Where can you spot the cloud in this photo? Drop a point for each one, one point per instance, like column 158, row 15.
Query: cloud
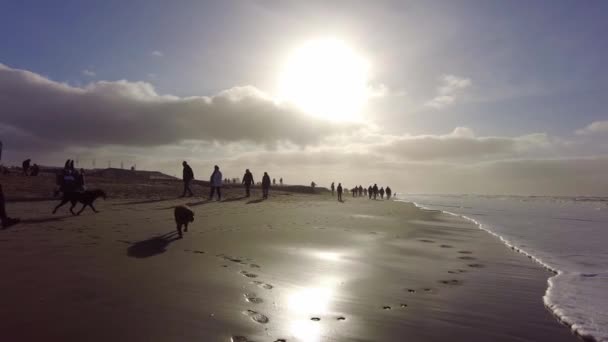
column 88, row 73
column 597, row 127
column 460, row 144
column 133, row 113
column 449, row 87
column 157, row 53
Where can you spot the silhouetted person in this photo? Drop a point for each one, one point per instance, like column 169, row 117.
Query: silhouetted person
column 381, row 191
column 248, row 181
column 274, row 181
column 388, row 192
column 6, row 221
column 370, row 191
column 215, row 181
column 339, row 192
column 187, row 177
column 333, row 188
column 353, row 192
column 281, row 181
column 80, row 181
column 26, row 166
column 375, row 190
column 35, row 170
column 360, row 191
column 365, row 192
column 312, row 185
column 265, row 185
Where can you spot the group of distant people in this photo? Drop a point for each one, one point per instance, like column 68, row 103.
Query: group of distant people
column 359, row 191
column 29, row 169
column 215, row 182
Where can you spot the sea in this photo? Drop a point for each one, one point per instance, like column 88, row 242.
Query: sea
column 568, row 235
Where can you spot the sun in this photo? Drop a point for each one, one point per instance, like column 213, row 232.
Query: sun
column 325, row 78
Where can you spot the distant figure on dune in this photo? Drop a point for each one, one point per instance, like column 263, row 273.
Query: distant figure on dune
column 183, row 216
column 381, row 191
column 187, row 176
column 312, row 185
column 6, row 221
column 248, row 181
column 281, row 181
column 333, row 188
column 265, row 185
column 26, row 166
column 339, row 192
column 388, row 192
column 375, row 190
column 215, row 181
column 35, row 170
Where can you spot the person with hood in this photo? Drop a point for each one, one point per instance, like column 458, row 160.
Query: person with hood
column 215, row 182
column 6, row 221
column 339, row 192
column 375, row 188
column 388, row 192
column 333, row 188
column 187, row 176
column 381, row 192
column 248, row 181
column 265, row 185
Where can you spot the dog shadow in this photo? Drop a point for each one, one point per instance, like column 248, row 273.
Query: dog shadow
column 152, row 246
column 256, row 201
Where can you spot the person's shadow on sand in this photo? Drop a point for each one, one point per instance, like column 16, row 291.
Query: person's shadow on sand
column 152, row 246
column 256, row 201
column 234, row 199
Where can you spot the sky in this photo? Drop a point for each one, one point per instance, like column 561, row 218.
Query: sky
column 490, row 97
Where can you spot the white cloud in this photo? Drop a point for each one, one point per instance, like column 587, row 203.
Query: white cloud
column 157, row 53
column 446, row 94
column 88, row 73
column 597, row 127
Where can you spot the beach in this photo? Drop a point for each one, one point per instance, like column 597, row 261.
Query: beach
column 295, row 267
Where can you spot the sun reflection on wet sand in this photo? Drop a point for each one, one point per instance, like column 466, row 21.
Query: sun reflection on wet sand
column 307, row 303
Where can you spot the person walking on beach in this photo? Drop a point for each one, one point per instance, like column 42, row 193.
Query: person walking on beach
column 375, row 188
column 360, row 190
column 388, row 192
column 265, row 185
column 365, row 192
column 339, row 192
column 215, row 181
column 248, row 181
column 26, row 166
column 381, row 191
column 281, row 181
column 332, row 188
column 370, row 191
column 188, row 176
column 353, row 191
column 6, row 221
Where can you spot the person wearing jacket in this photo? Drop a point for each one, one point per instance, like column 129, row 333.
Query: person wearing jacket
column 188, row 176
column 215, row 181
column 265, row 185
column 248, row 181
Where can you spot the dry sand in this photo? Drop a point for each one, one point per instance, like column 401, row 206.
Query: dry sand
column 293, row 268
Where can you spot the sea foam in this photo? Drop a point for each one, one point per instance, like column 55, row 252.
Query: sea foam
column 567, row 235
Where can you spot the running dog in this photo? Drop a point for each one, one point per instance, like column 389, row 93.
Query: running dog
column 85, row 197
column 183, row 215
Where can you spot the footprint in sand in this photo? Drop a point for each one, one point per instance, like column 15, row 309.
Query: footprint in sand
column 446, row 246
column 249, row 275
column 341, row 318
column 476, row 265
column 262, row 285
column 426, row 240
column 386, row 307
column 466, row 257
column 411, row 290
column 316, row 319
column 465, row 252
column 256, row 316
column 451, row 282
column 198, row 252
column 280, row 340
column 254, row 266
column 403, row 305
column 253, row 298
column 240, row 339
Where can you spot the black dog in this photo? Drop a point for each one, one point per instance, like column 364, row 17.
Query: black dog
column 86, row 198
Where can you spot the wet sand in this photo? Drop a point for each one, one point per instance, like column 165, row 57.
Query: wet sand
column 293, row 268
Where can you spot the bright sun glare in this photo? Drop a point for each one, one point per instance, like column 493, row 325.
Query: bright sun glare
column 325, row 78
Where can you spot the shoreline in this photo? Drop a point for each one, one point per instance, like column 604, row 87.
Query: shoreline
column 265, row 270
